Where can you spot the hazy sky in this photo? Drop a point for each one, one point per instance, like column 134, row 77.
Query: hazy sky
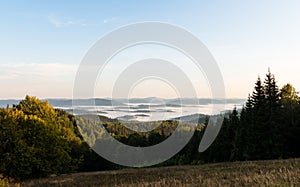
column 43, row 42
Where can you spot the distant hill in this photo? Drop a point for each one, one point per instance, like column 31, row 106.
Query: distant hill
column 10, row 102
column 204, row 101
column 191, row 118
column 144, row 102
column 83, row 102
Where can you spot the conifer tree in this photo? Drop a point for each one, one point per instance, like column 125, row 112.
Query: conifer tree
column 258, row 96
column 272, row 123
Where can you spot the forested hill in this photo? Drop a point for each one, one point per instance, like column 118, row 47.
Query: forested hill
column 68, row 103
column 38, row 140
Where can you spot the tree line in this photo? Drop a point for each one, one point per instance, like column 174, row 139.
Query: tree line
column 38, row 140
column 267, row 127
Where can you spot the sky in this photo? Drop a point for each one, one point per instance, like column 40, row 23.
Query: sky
column 42, row 43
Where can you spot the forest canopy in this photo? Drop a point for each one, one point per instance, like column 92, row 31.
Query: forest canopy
column 38, row 140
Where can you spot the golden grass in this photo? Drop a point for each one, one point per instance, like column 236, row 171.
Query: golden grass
column 6, row 182
column 252, row 173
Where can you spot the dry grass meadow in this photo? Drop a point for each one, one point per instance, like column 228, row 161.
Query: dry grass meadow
column 250, row 173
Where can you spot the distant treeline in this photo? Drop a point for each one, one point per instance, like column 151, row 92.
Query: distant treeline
column 38, row 140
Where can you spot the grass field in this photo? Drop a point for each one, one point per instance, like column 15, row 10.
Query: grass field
column 254, row 173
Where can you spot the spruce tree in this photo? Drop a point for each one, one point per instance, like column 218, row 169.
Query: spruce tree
column 256, row 118
column 258, row 96
column 272, row 123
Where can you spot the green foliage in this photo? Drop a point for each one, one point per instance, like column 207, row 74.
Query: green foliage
column 37, row 140
column 289, row 97
column 268, row 126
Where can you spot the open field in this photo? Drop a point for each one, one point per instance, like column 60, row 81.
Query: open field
column 254, row 173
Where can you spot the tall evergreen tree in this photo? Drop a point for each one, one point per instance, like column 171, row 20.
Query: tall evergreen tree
column 271, row 92
column 255, row 119
column 258, row 96
column 272, row 123
column 268, row 126
column 233, row 133
column 249, row 103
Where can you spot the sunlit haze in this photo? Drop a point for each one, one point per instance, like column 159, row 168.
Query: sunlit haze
column 43, row 43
